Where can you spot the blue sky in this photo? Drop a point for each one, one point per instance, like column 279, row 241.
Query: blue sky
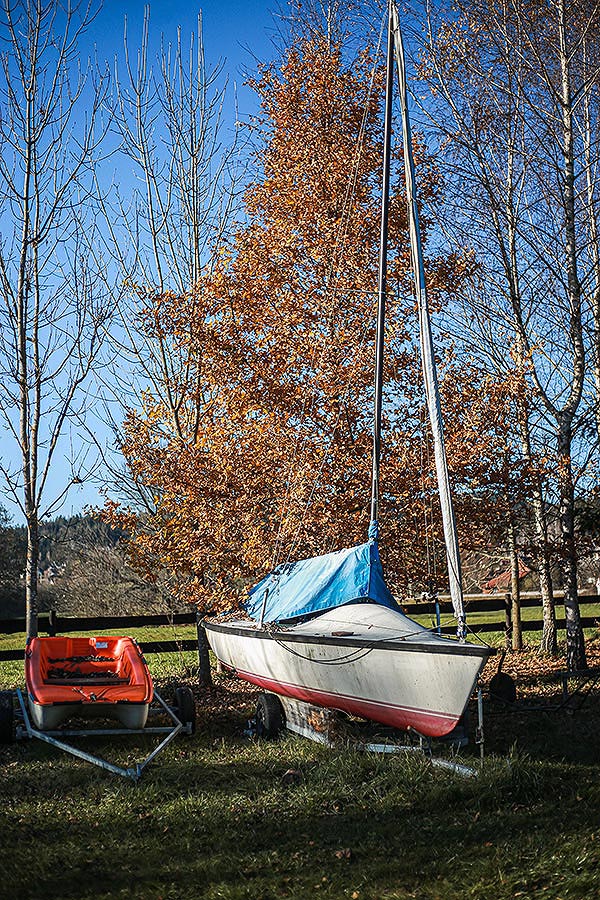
column 237, row 33
column 234, row 32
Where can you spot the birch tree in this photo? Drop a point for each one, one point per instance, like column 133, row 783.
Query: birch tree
column 54, row 314
column 511, row 87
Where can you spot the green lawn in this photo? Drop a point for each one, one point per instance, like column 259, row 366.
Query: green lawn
column 213, row 817
column 528, row 614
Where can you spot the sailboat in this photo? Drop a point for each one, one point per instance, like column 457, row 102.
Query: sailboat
column 327, row 630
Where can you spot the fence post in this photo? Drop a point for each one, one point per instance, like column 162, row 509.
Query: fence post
column 204, row 673
column 52, row 623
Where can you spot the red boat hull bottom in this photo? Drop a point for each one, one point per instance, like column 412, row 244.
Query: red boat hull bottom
column 431, row 723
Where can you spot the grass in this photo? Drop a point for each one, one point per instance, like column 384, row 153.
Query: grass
column 528, row 614
column 153, row 633
column 213, row 817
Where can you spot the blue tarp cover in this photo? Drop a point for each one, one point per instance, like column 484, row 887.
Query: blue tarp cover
column 313, row 585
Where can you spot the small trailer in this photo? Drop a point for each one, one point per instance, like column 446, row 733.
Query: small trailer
column 276, row 713
column 91, row 678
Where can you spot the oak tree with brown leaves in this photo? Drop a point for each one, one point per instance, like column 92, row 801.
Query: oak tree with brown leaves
column 271, row 459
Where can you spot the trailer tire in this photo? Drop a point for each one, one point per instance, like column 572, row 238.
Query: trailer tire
column 269, row 716
column 185, row 707
column 7, row 718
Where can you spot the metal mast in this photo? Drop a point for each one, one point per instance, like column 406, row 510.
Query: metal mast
column 427, row 354
column 382, row 279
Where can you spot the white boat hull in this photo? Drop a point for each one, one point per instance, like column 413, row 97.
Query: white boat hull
column 363, row 659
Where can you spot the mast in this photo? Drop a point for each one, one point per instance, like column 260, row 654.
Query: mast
column 382, row 281
column 427, row 355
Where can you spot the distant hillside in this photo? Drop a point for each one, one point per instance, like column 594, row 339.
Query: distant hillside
column 83, row 571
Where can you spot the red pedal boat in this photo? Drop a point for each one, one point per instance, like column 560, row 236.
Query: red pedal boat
column 90, row 677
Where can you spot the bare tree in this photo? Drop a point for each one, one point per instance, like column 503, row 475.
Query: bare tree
column 168, row 113
column 162, row 231
column 511, row 83
column 53, row 316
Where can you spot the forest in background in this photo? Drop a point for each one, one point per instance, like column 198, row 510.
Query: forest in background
column 83, row 571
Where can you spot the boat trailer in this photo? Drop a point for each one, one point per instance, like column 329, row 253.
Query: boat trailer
column 274, row 713
column 15, row 724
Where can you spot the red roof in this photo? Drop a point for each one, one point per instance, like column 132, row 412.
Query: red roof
column 503, row 579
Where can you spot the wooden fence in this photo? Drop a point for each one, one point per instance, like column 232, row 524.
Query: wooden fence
column 51, row 624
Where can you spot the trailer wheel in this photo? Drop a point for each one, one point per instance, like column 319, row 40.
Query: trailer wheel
column 269, row 715
column 7, row 718
column 185, row 707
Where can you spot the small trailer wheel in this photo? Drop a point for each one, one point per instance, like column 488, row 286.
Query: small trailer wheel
column 185, row 707
column 269, row 715
column 7, row 718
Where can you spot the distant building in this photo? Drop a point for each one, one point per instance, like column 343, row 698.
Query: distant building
column 51, row 574
column 501, row 581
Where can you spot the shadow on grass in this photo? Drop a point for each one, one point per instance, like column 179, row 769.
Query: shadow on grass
column 225, row 825
column 213, row 818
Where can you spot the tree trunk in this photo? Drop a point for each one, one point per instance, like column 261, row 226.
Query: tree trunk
column 576, row 659
column 548, row 643
column 507, row 621
column 515, row 592
column 575, row 642
column 31, row 577
column 596, row 357
column 204, row 673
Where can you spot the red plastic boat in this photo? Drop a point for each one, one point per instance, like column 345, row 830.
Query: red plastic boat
column 89, row 677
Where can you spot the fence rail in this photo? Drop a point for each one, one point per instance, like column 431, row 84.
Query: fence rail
column 50, row 623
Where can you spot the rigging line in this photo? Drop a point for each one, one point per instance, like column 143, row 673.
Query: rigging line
column 428, row 505
column 273, row 628
column 431, row 512
column 361, row 652
column 350, row 192
column 308, row 502
column 323, row 352
column 424, row 492
column 394, row 636
column 341, row 406
column 333, row 277
column 477, row 636
column 346, row 210
column 351, row 186
column 356, row 655
column 428, row 629
column 432, row 629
